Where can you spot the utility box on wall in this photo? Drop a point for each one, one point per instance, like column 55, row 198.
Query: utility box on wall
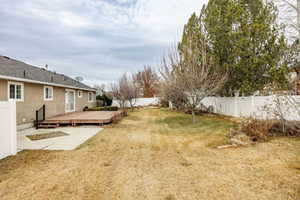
column 8, row 133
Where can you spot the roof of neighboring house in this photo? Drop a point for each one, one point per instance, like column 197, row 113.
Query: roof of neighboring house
column 11, row 68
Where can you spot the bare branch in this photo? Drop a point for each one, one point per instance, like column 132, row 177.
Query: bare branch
column 192, row 74
column 125, row 91
column 147, row 80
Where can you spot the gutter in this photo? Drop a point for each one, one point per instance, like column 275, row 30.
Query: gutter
column 43, row 83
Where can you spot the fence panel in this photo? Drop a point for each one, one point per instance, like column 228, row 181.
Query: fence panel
column 8, row 134
column 250, row 106
column 140, row 102
column 245, row 106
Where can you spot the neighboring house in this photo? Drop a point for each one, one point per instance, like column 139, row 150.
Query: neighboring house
column 32, row 87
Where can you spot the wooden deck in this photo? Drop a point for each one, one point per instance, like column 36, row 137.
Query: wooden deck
column 80, row 118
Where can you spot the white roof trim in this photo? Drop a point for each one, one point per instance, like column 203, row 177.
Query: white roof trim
column 42, row 83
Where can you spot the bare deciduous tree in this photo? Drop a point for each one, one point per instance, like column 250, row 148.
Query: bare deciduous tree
column 147, row 80
column 291, row 16
column 116, row 93
column 168, row 89
column 169, row 94
column 129, row 89
column 282, row 107
column 125, row 91
column 193, row 73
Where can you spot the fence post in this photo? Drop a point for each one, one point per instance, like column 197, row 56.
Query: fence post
column 36, row 119
column 44, row 112
column 170, row 105
column 252, row 106
column 14, row 128
column 236, row 111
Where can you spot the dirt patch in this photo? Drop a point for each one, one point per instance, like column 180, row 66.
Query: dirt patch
column 44, row 136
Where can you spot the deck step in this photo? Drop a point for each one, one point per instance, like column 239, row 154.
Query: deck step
column 48, row 126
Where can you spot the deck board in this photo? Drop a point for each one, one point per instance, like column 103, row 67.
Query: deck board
column 88, row 117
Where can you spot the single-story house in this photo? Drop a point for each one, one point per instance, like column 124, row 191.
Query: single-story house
column 32, row 87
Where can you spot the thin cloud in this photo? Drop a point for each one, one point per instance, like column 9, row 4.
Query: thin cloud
column 96, row 39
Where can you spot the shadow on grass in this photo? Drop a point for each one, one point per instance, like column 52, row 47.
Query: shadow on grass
column 203, row 122
column 210, row 130
column 133, row 118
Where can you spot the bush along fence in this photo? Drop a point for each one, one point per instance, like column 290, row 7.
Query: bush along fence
column 261, row 107
column 107, row 108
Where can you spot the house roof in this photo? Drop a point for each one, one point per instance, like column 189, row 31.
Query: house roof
column 17, row 70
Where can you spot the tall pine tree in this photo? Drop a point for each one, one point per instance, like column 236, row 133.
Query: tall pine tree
column 245, row 39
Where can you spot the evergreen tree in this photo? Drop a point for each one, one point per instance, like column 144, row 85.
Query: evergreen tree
column 192, row 34
column 245, row 39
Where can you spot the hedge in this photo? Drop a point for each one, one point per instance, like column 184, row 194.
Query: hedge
column 107, row 108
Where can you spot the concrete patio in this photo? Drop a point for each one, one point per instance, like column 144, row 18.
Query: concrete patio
column 76, row 136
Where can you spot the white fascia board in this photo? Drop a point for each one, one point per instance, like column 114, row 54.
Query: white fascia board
column 42, row 83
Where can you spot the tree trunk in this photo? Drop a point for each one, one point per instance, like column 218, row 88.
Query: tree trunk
column 194, row 116
column 131, row 105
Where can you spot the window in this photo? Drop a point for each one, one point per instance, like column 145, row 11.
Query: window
column 48, row 93
column 90, row 96
column 79, row 93
column 16, row 91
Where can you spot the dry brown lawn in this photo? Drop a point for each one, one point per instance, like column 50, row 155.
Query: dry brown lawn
column 155, row 154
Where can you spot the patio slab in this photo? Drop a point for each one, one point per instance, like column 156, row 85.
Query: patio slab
column 76, row 136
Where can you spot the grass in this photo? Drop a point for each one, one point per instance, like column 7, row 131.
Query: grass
column 184, row 121
column 209, row 128
column 157, row 154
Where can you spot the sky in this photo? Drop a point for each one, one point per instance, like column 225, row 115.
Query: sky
column 98, row 40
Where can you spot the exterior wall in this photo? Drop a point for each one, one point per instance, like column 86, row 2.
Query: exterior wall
column 34, row 100
column 83, row 101
column 3, row 90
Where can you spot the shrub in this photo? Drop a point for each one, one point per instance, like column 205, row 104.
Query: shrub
column 106, row 100
column 108, row 108
column 257, row 130
column 202, row 109
column 289, row 129
column 85, row 108
column 164, row 103
column 100, row 103
column 262, row 130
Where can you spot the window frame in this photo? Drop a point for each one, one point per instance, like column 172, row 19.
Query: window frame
column 79, row 94
column 45, row 95
column 92, row 97
column 15, row 91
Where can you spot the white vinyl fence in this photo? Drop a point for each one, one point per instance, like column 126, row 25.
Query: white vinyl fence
column 248, row 106
column 140, row 102
column 251, row 106
column 8, row 133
